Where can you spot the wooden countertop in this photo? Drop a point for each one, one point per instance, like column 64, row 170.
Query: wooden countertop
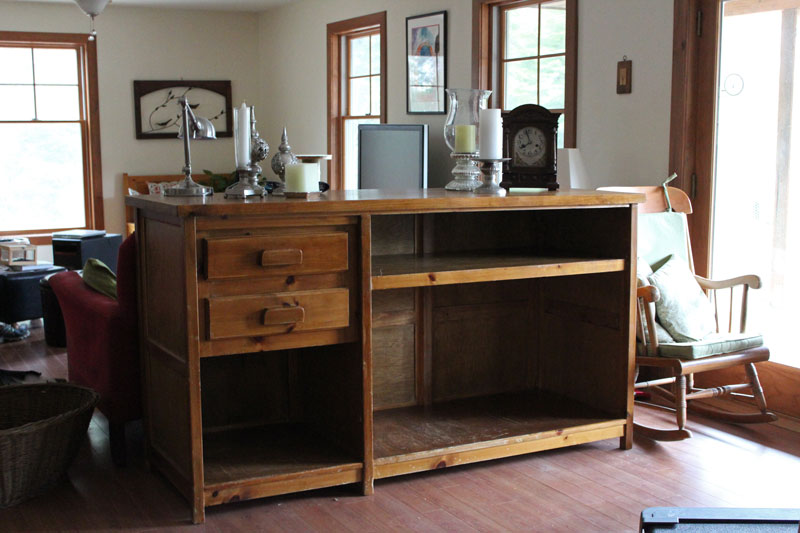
column 365, row 201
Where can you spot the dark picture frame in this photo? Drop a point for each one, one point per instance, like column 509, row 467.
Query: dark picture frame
column 157, row 113
column 426, row 64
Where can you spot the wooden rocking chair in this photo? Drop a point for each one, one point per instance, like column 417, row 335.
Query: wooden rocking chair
column 663, row 232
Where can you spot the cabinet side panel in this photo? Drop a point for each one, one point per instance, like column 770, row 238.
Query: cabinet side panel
column 165, row 306
column 393, row 347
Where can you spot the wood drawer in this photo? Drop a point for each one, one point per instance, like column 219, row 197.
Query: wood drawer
column 278, row 313
column 275, row 255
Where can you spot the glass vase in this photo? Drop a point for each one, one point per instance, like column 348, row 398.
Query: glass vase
column 461, row 136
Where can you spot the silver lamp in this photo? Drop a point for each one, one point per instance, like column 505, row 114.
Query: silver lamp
column 197, row 128
column 92, row 8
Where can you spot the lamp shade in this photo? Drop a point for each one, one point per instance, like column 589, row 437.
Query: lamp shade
column 200, row 129
column 571, row 172
column 92, row 7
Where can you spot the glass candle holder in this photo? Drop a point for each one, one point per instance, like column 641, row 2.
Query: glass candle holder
column 461, row 136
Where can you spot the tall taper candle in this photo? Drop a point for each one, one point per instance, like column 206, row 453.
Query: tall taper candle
column 243, row 136
column 490, row 134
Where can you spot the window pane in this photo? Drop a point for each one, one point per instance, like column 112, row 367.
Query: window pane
column 56, row 65
column 560, row 138
column 359, row 56
column 376, row 54
column 351, row 150
column 551, row 84
column 16, row 102
column 554, row 28
column 520, row 83
column 359, row 96
column 41, row 176
column 57, row 103
column 376, row 94
column 522, row 28
column 17, row 65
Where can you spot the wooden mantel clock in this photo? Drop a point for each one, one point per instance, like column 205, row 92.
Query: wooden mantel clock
column 529, row 139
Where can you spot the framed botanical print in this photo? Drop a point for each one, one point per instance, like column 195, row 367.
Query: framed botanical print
column 158, row 113
column 426, row 66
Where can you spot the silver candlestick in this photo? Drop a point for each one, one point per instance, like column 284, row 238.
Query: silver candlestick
column 282, row 157
column 491, row 168
column 247, row 186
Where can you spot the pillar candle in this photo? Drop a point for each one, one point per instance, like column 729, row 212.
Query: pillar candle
column 302, row 177
column 490, row 134
column 242, row 136
column 465, row 138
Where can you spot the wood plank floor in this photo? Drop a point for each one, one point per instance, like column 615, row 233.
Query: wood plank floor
column 593, row 487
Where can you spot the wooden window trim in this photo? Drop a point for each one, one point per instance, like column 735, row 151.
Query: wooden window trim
column 483, row 52
column 335, row 31
column 90, row 110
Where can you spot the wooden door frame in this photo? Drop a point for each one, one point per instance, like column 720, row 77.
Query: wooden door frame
column 695, row 61
column 335, row 32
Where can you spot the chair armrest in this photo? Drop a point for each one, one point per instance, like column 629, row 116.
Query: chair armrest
column 751, row 280
column 648, row 293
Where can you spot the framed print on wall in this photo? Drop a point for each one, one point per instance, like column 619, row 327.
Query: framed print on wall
column 158, row 113
column 426, row 66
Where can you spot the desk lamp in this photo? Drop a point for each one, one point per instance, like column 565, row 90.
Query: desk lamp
column 197, row 128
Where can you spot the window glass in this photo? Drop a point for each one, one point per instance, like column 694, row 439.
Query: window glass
column 55, row 66
column 375, row 82
column 16, row 102
column 551, row 82
column 47, row 154
column 554, row 28
column 375, row 51
column 17, row 65
column 522, row 32
column 520, row 83
column 359, row 96
column 57, row 102
column 359, row 56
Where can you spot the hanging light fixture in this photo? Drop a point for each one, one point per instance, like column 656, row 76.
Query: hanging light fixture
column 92, row 8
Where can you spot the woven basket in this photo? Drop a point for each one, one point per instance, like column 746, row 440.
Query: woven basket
column 41, row 428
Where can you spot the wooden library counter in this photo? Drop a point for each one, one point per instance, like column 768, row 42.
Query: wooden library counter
column 293, row 344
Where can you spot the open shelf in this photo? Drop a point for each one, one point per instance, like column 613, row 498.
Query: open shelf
column 409, row 270
column 411, row 439
column 272, row 459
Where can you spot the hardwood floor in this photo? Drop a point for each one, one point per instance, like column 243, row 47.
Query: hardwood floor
column 592, row 487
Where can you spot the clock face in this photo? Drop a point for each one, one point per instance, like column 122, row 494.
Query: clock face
column 529, row 148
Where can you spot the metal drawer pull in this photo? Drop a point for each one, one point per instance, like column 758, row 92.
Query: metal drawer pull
column 276, row 316
column 271, row 258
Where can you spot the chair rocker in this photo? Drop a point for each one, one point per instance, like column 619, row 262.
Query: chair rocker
column 662, row 234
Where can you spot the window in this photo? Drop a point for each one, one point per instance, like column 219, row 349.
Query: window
column 528, row 55
column 49, row 139
column 356, row 90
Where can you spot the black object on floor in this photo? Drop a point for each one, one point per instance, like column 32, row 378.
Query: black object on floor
column 55, row 331
column 719, row 519
column 11, row 377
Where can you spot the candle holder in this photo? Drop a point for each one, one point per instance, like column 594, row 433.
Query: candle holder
column 247, row 186
column 283, row 157
column 461, row 136
column 491, row 168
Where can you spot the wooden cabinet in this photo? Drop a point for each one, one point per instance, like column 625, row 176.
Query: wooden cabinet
column 289, row 345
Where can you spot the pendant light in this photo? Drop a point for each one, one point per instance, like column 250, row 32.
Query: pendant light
column 92, row 8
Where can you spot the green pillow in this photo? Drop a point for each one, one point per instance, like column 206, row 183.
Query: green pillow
column 683, row 308
column 99, row 277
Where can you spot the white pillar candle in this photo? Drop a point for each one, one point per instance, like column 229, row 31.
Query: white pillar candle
column 490, row 134
column 242, row 136
column 302, row 177
column 465, row 138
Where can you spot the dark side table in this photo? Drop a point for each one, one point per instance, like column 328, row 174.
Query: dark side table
column 20, row 297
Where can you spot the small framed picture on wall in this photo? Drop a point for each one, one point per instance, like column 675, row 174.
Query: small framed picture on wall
column 426, row 66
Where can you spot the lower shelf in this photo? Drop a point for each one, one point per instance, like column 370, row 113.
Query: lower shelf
column 268, row 460
column 413, row 439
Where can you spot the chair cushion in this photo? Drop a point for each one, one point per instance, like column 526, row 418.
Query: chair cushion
column 642, row 271
column 661, row 235
column 99, row 277
column 683, row 308
column 714, row 344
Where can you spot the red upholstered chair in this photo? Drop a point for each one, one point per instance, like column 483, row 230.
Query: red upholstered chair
column 103, row 343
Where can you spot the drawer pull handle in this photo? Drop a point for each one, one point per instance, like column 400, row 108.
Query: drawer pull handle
column 270, row 258
column 276, row 316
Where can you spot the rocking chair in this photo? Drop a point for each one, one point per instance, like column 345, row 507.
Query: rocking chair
column 663, row 234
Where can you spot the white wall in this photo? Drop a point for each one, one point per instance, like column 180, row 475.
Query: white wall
column 624, row 139
column 142, row 44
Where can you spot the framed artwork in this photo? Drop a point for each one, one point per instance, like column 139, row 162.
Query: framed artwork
column 426, row 67
column 158, row 113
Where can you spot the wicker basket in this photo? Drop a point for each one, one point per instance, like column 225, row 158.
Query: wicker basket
column 41, row 428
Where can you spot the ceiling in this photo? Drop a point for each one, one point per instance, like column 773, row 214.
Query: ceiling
column 217, row 5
